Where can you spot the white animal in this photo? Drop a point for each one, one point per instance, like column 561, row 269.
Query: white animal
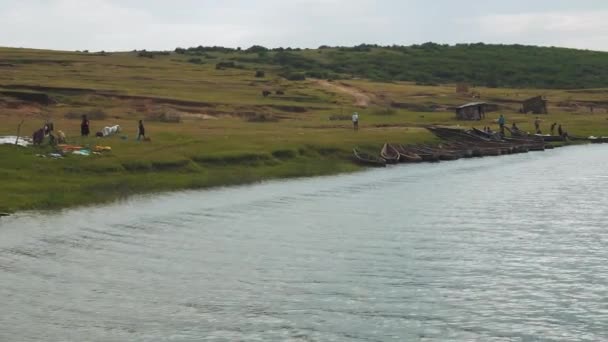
column 107, row 131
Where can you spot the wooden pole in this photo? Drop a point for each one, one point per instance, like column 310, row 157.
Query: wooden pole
column 19, row 131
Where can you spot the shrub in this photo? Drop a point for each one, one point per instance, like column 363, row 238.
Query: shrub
column 145, row 54
column 152, row 54
column 295, row 76
column 195, row 61
column 260, row 73
column 284, row 154
column 226, row 65
column 257, row 49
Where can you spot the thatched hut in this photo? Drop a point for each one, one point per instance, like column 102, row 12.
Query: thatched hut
column 471, row 111
column 535, row 105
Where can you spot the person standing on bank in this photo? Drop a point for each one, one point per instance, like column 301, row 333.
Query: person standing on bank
column 356, row 121
column 537, row 125
column 84, row 127
column 141, row 131
column 501, row 124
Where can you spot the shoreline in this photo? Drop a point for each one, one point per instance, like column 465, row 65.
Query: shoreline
column 332, row 166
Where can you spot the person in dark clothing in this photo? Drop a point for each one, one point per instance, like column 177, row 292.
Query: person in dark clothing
column 141, row 131
column 560, row 131
column 48, row 128
column 553, row 128
column 38, row 136
column 84, row 127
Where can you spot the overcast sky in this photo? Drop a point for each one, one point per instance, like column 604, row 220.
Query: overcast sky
column 161, row 24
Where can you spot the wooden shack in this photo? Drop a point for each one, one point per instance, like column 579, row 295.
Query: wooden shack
column 471, row 111
column 535, row 105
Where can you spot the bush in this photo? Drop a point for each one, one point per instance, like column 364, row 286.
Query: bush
column 284, row 154
column 152, row 54
column 145, row 54
column 295, row 76
column 260, row 73
column 257, row 49
column 226, row 65
column 195, row 61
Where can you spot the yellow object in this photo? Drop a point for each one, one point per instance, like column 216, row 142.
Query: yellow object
column 102, row 148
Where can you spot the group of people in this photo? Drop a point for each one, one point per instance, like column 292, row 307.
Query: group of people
column 560, row 130
column 502, row 120
column 501, row 124
column 47, row 131
column 85, row 129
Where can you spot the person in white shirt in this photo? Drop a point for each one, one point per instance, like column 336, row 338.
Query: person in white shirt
column 356, row 121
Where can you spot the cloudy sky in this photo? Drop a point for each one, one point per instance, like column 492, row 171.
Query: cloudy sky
column 161, row 24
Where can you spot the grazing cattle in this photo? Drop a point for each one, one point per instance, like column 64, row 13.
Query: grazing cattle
column 265, row 93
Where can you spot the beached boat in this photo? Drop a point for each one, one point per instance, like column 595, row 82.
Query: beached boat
column 406, row 156
column 425, row 155
column 367, row 160
column 549, row 138
column 598, row 140
column 443, row 154
column 390, row 154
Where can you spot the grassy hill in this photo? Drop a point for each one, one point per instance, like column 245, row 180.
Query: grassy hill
column 478, row 64
column 211, row 125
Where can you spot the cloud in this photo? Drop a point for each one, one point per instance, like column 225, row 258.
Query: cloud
column 583, row 29
column 161, row 25
column 126, row 25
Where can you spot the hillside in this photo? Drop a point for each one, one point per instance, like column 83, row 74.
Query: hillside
column 210, row 123
column 515, row 66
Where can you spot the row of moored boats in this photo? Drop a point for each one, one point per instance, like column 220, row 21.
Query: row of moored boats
column 458, row 143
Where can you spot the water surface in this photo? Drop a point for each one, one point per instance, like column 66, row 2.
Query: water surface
column 496, row 249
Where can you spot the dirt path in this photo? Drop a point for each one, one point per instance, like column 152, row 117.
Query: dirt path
column 361, row 98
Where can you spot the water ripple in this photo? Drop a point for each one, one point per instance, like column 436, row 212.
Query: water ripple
column 493, row 249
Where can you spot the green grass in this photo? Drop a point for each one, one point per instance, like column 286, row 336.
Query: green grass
column 216, row 144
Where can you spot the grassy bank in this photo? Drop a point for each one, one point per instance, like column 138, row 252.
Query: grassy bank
column 226, row 132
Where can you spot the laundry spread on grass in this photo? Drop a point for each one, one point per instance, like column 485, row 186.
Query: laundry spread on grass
column 11, row 139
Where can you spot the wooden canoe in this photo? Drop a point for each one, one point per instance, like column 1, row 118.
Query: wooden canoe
column 550, row 138
column 367, row 160
column 406, row 156
column 599, row 140
column 390, row 154
column 425, row 155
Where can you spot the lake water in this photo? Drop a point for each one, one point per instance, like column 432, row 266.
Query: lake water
column 497, row 249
